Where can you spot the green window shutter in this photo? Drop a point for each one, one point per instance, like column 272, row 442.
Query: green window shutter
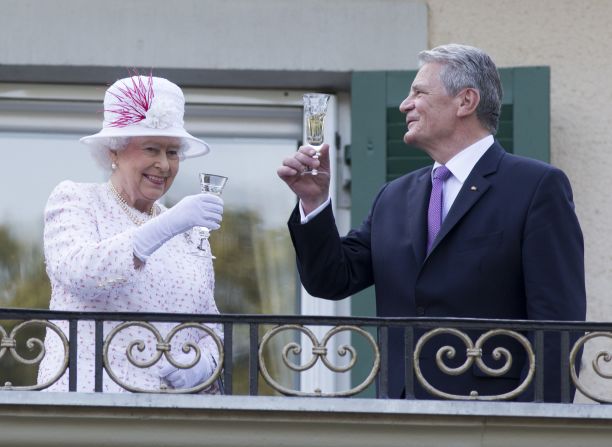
column 527, row 94
column 378, row 153
column 401, row 158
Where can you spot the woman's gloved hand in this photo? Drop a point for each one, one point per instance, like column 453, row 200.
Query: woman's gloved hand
column 199, row 210
column 179, row 378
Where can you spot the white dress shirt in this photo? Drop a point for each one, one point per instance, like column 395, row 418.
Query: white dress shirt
column 460, row 167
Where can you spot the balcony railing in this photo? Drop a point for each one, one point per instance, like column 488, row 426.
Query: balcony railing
column 297, row 334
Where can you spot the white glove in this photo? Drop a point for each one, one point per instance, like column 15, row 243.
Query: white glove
column 199, row 210
column 186, row 378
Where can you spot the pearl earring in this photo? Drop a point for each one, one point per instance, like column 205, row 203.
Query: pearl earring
column 113, row 165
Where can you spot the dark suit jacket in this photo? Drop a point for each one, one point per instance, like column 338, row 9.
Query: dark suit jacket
column 510, row 247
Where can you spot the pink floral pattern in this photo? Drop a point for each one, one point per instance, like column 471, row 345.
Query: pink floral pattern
column 89, row 260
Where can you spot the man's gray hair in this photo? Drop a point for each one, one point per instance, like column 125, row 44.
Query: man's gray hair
column 469, row 67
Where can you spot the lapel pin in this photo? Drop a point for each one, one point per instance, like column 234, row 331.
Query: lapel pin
column 473, row 188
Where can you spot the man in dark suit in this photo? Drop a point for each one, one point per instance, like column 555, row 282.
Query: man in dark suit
column 495, row 237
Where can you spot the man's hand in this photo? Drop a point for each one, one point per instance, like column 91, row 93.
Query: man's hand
column 312, row 190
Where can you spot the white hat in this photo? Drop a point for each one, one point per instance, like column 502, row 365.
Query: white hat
column 144, row 106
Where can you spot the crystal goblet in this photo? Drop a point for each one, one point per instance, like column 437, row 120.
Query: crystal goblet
column 210, row 184
column 315, row 109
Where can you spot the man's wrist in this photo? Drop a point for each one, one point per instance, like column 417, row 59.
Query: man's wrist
column 312, row 213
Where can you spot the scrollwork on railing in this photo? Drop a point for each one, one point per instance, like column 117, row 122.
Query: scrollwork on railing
column 604, row 356
column 474, row 355
column 8, row 343
column 319, row 351
column 162, row 348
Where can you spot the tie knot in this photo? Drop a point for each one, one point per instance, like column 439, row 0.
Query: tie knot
column 441, row 173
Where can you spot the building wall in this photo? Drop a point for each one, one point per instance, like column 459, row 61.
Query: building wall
column 214, row 34
column 572, row 38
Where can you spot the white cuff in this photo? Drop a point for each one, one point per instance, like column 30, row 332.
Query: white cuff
column 314, row 213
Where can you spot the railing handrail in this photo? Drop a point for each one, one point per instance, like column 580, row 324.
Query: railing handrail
column 7, row 313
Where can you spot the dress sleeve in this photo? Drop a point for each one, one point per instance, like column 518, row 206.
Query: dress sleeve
column 77, row 257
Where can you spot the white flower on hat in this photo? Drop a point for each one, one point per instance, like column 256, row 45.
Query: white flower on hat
column 162, row 114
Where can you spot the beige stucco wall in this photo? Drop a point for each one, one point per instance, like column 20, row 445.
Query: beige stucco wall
column 574, row 38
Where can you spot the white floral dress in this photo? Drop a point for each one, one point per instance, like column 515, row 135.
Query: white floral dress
column 89, row 260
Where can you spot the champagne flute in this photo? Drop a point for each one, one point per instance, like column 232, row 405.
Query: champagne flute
column 211, row 184
column 315, row 108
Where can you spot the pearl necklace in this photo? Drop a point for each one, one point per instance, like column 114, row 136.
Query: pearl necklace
column 127, row 209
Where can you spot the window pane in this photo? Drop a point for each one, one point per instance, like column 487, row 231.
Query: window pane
column 33, row 165
column 255, row 265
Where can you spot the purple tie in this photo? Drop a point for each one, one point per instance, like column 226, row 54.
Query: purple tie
column 434, row 214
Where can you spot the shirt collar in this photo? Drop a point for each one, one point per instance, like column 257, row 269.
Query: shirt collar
column 462, row 164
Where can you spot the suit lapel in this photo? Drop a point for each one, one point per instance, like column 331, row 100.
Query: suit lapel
column 474, row 187
column 418, row 202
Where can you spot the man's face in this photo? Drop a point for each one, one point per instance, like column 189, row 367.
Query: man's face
column 431, row 114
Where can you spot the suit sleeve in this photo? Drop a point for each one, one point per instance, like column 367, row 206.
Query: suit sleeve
column 553, row 253
column 553, row 268
column 330, row 266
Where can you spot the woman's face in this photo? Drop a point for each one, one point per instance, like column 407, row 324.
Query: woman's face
column 145, row 169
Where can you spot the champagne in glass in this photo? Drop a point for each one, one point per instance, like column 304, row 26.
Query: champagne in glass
column 211, row 184
column 314, row 129
column 315, row 108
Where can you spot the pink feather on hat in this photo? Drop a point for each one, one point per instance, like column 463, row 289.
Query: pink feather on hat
column 133, row 101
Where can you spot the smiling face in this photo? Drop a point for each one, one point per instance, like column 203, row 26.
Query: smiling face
column 431, row 114
column 145, row 169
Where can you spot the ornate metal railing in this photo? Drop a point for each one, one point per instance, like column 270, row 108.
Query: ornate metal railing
column 26, row 348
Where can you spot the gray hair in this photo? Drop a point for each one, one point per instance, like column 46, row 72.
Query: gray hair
column 469, row 67
column 101, row 152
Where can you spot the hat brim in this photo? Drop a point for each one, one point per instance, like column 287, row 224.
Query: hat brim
column 194, row 147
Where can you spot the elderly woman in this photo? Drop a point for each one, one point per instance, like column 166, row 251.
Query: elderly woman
column 114, row 247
